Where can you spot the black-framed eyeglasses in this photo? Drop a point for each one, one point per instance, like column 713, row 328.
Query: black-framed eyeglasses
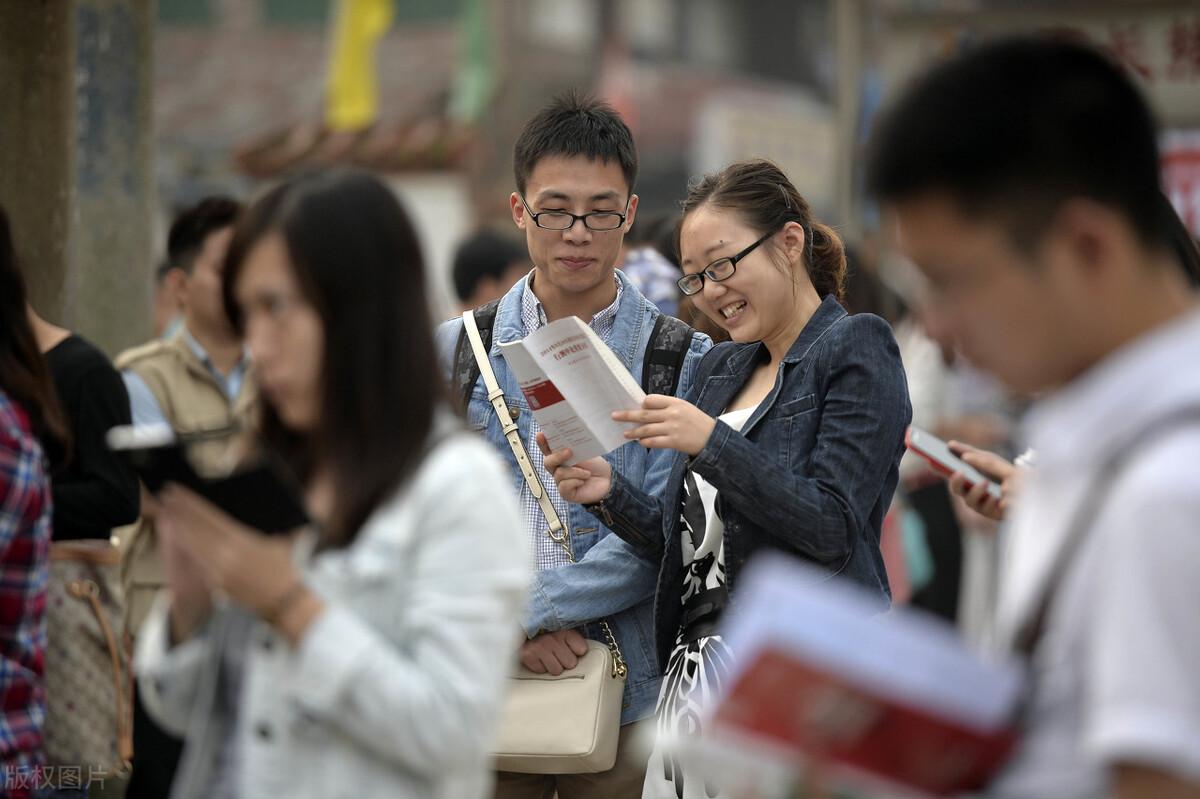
column 598, row 221
column 718, row 270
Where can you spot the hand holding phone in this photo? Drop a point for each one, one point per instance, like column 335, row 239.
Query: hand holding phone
column 944, row 462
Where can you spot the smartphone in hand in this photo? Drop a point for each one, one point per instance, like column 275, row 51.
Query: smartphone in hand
column 258, row 495
column 944, row 462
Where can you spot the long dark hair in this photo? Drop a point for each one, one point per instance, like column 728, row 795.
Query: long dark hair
column 23, row 372
column 759, row 191
column 358, row 262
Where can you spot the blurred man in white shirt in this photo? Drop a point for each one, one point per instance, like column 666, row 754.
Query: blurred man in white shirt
column 1024, row 179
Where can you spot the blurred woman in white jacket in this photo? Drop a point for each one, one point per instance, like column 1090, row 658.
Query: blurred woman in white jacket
column 365, row 656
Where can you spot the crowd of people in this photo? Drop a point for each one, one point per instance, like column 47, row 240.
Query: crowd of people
column 368, row 651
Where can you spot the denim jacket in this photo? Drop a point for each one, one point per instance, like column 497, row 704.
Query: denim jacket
column 608, row 581
column 812, row 472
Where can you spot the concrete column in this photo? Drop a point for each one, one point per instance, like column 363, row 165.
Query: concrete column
column 36, row 128
column 76, row 159
column 848, row 18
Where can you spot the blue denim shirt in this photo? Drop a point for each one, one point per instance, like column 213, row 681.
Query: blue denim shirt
column 608, row 580
column 812, row 473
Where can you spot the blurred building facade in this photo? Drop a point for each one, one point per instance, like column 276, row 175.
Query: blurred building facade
column 239, row 85
column 1158, row 41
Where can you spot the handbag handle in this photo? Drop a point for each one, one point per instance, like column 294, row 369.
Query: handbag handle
column 88, row 592
column 555, row 530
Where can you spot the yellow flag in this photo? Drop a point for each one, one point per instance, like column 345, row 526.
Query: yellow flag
column 352, row 97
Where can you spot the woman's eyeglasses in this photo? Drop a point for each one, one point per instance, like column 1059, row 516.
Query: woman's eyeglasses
column 718, row 270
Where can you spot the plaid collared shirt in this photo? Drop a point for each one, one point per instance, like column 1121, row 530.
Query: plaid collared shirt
column 548, row 554
column 24, row 572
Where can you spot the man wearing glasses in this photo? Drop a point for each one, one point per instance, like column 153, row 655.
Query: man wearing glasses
column 575, row 165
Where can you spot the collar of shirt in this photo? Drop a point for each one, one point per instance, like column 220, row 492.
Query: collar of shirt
column 533, row 315
column 231, row 383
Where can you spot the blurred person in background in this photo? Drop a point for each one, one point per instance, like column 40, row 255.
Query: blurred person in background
column 952, row 552
column 486, row 265
column 979, row 571
column 865, row 290
column 905, row 538
column 94, row 491
column 364, row 656
column 198, row 379
column 649, row 261
column 205, row 344
column 167, row 308
column 1039, row 230
column 32, row 434
column 793, row 442
column 1008, row 474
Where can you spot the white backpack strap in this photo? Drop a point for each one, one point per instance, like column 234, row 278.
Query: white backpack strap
column 508, row 425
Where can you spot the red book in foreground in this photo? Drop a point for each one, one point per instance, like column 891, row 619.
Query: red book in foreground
column 894, row 696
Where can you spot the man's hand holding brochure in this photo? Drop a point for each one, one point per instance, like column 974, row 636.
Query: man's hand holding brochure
column 573, row 382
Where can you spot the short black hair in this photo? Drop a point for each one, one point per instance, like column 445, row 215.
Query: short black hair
column 485, row 253
column 194, row 224
column 1017, row 126
column 575, row 124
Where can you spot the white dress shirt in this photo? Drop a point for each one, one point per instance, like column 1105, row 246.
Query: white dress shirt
column 1117, row 670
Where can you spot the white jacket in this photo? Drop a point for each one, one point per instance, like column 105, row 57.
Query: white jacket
column 396, row 688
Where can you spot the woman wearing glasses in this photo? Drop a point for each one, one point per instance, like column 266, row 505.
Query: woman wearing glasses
column 791, row 441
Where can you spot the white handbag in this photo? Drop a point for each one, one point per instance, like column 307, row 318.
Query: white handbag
column 567, row 724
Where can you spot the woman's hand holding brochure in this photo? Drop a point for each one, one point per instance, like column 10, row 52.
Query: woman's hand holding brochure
column 668, row 423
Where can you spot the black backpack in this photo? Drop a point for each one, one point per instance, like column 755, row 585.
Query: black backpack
column 668, row 346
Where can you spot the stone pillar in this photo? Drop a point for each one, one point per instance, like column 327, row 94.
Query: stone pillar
column 76, row 159
column 848, row 20
column 36, row 98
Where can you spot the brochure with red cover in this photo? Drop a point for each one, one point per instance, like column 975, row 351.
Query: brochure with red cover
column 895, row 696
column 573, row 382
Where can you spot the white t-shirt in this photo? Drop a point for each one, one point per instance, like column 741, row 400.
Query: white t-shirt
column 714, row 530
column 1117, row 671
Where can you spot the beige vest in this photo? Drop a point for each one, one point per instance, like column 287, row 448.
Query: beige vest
column 192, row 401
